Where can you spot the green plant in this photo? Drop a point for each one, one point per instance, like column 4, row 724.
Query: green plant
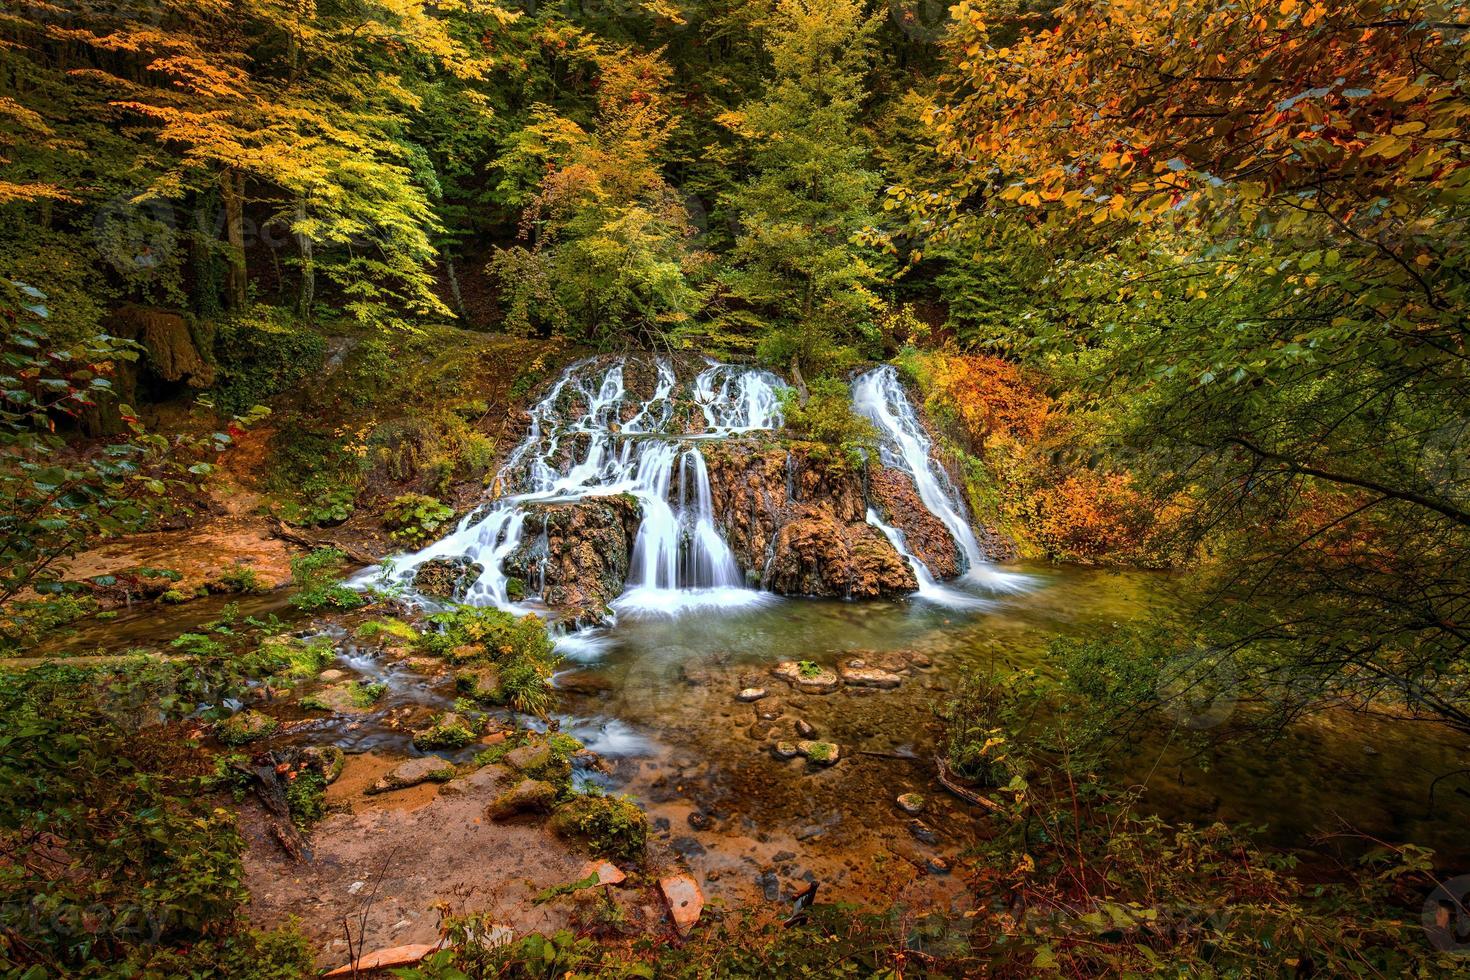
column 448, row 731
column 262, row 353
column 317, row 587
column 414, row 517
column 827, row 418
column 808, row 669
column 306, row 795
column 242, row 579
column 517, row 646
column 377, row 629
column 367, row 695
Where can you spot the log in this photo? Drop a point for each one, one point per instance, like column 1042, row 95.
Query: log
column 272, row 795
column 948, row 781
column 280, row 530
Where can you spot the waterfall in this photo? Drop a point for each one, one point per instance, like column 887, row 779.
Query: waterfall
column 589, row 437
column 906, row 446
column 928, row 587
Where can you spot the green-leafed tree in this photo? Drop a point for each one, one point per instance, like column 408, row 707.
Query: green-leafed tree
column 796, row 271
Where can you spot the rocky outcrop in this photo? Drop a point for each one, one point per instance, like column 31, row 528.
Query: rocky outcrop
column 899, row 504
column 447, row 578
column 580, row 557
column 796, row 516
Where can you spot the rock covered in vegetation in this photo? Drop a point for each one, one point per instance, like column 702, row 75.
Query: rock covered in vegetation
column 806, row 676
column 581, row 555
column 448, row 731
column 246, row 726
column 446, row 578
column 610, row 826
column 820, row 753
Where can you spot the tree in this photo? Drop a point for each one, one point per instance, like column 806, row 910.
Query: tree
column 795, row 266
column 1259, row 217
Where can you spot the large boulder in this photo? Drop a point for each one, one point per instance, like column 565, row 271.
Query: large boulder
column 582, row 554
column 926, row 536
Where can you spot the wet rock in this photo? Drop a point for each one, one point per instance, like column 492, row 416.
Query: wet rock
column 865, row 676
column 607, row 873
column 525, row 796
column 807, row 677
column 819, row 555
column 938, row 865
column 413, row 772
column 920, row 660
column 781, row 857
column 805, row 728
column 911, row 803
column 684, row 899
column 769, row 885
column 819, row 753
column 751, row 694
column 583, row 555
column 923, row 832
column 662, row 825
column 699, row 821
column 785, row 750
column 482, row 779
column 925, row 535
column 330, row 676
column 770, row 712
column 446, row 578
column 687, row 847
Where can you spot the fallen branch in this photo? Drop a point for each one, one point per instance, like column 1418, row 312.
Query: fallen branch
column 281, row 531
column 948, row 781
column 272, row 795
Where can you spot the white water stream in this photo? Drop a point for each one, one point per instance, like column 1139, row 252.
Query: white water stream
column 590, row 437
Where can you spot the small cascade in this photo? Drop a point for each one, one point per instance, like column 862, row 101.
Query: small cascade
column 589, row 437
column 906, row 446
column 928, row 588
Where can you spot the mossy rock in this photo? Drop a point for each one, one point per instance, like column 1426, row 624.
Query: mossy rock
column 245, row 727
column 528, row 795
column 610, row 826
column 329, row 760
column 449, row 731
column 481, row 684
column 348, row 697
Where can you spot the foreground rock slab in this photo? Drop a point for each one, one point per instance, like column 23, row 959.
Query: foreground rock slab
column 808, row 678
column 385, row 959
column 413, row 772
column 859, row 674
column 685, row 901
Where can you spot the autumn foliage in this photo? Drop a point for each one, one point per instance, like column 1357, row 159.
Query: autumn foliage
column 1029, row 470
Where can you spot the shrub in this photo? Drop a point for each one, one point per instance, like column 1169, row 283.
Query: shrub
column 828, row 419
column 517, row 645
column 262, row 353
column 414, row 517
column 316, row 585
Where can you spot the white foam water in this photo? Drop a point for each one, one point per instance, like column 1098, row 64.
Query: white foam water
column 906, row 446
column 589, row 437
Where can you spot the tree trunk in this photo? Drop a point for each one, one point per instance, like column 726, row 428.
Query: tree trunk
column 232, row 194
column 454, row 286
column 307, row 295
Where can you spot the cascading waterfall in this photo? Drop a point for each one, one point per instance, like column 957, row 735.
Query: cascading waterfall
column 906, row 446
column 589, row 437
column 578, row 445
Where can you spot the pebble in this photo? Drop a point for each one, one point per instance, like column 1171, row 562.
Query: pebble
column 785, row 750
column 356, row 887
column 805, row 728
column 923, row 832
column 752, row 694
column 699, row 821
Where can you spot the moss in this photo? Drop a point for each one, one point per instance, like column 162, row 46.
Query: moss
column 175, row 596
column 306, row 797
column 245, row 727
column 517, row 646
column 377, row 629
column 449, row 731
column 366, row 695
column 611, row 827
column 808, row 669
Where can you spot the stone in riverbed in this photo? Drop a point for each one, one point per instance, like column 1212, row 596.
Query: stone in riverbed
column 685, row 901
column 785, row 750
column 413, row 772
column 911, row 803
column 805, row 729
column 607, row 873
column 486, row 777
column 751, row 694
column 808, row 677
column 526, row 795
column 446, row 578
column 859, row 674
column 819, row 753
